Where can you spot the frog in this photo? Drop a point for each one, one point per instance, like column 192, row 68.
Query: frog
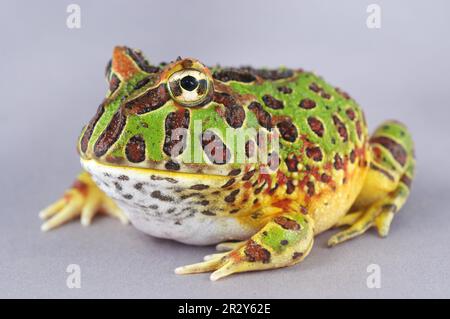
column 258, row 161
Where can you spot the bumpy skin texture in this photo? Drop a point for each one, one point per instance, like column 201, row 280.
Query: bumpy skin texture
column 328, row 165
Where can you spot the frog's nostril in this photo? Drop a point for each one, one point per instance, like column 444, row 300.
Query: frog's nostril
column 189, row 83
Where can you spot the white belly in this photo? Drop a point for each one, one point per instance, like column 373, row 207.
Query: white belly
column 169, row 205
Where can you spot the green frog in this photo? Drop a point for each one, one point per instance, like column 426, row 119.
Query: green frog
column 258, row 161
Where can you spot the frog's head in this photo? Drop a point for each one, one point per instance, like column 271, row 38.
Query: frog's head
column 172, row 116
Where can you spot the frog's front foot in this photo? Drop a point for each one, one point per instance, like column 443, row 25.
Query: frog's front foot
column 284, row 241
column 83, row 199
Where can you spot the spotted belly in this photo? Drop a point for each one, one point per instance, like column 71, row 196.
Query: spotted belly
column 168, row 205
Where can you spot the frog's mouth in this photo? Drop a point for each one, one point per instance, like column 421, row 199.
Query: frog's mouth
column 159, row 169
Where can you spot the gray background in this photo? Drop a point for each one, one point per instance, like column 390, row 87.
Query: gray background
column 51, row 82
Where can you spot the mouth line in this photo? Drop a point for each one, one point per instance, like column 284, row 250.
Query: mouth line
column 153, row 171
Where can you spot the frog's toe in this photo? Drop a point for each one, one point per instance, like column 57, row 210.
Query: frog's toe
column 214, row 256
column 205, row 266
column 231, row 245
column 84, row 199
column 348, row 219
column 62, row 211
column 383, row 223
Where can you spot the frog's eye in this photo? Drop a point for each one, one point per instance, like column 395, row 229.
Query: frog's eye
column 189, row 87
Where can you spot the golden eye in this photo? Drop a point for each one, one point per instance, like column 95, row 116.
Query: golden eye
column 189, row 87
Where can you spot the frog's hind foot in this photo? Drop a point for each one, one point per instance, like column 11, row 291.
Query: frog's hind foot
column 379, row 215
column 284, row 241
column 387, row 184
column 83, row 199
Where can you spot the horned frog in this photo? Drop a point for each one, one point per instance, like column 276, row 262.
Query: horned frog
column 158, row 152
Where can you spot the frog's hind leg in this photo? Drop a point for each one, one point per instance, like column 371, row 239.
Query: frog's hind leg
column 83, row 199
column 285, row 240
column 387, row 184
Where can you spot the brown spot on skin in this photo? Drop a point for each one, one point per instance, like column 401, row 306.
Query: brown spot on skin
column 272, row 102
column 397, row 150
column 382, row 171
column 232, row 196
column 303, row 210
column 176, row 125
column 315, row 88
column 290, row 187
column 288, row 130
column 173, row 166
column 358, row 129
column 142, row 83
column 338, row 162
column 297, row 255
column 160, row 178
column 199, row 187
column 248, row 175
column 284, row 89
column 111, row 134
column 343, row 94
column 272, row 190
column 90, row 127
column 325, row 178
column 310, row 188
column 259, row 189
column 250, row 149
column 314, row 153
column 352, row 156
column 273, row 75
column 161, row 197
column 138, row 186
column 135, row 149
column 118, row 186
column 234, row 113
column 234, row 74
column 291, row 163
column 114, row 83
column 256, row 253
column 325, row 95
column 208, row 213
column 234, row 172
column 214, row 148
column 287, row 223
column 229, row 183
column 342, row 130
column 123, row 178
column 141, row 62
column 316, row 126
column 149, row 101
column 234, row 211
column 284, row 242
column 307, row 104
column 406, row 180
column 264, row 118
column 350, row 113
column 127, row 196
column 187, row 63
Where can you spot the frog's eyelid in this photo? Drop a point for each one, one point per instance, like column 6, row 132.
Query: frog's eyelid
column 186, row 97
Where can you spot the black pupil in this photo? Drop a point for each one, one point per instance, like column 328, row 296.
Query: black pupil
column 189, row 83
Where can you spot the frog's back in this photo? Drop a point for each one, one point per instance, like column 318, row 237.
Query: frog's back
column 308, row 110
